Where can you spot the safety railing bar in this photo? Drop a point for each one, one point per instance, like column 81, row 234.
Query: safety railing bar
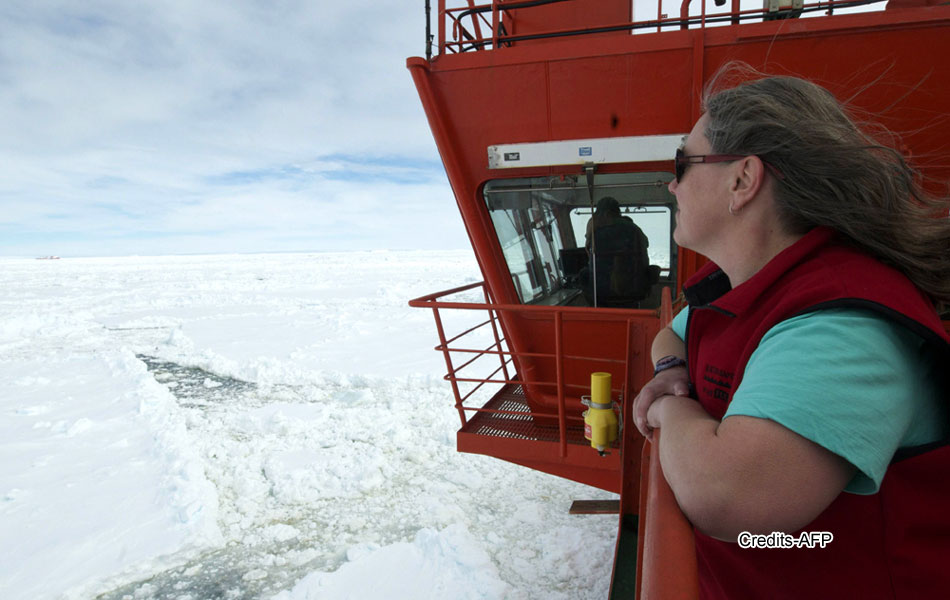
column 510, row 411
column 514, row 413
column 494, row 327
column 616, row 314
column 512, row 355
column 576, row 386
column 475, row 24
column 628, row 364
column 495, row 26
column 508, row 380
column 681, row 22
column 506, row 362
column 501, row 352
column 458, row 26
column 448, row 359
column 750, row 13
column 829, row 5
column 449, row 377
column 490, row 375
column 533, row 355
column 549, row 384
column 473, row 380
column 659, row 24
column 500, row 7
column 486, row 21
column 440, row 17
column 556, row 314
column 499, row 342
column 593, row 359
column 452, row 375
column 439, row 348
column 475, row 45
column 468, row 331
column 476, row 388
column 559, row 374
column 456, row 290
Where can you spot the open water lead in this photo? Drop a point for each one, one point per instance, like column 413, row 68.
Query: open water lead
column 600, row 420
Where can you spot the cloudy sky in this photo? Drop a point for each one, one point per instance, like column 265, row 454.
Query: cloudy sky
column 184, row 126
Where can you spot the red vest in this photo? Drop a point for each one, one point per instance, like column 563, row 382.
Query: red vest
column 892, row 544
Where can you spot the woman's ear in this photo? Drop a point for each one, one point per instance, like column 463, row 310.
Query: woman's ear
column 749, row 178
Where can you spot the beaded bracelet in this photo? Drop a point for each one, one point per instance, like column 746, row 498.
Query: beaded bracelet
column 668, row 362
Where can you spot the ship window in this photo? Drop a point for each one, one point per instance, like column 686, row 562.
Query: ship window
column 654, row 221
column 542, row 225
column 526, row 232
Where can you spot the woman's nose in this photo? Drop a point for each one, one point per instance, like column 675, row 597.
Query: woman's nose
column 672, row 186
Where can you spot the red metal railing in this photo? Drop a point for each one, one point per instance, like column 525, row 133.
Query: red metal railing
column 468, row 26
column 667, row 565
column 504, row 356
column 666, row 569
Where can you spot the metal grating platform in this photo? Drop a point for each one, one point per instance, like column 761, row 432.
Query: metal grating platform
column 520, row 427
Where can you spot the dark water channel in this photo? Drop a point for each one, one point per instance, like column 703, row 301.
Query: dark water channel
column 235, row 571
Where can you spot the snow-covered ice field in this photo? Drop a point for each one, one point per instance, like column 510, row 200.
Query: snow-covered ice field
column 259, row 426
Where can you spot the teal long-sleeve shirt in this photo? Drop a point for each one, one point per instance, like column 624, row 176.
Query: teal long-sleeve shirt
column 849, row 380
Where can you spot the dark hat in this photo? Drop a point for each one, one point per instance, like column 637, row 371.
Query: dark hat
column 608, row 204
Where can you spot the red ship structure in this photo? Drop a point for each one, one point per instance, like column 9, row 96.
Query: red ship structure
column 541, row 109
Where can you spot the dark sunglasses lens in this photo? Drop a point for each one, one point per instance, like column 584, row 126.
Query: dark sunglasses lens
column 679, row 165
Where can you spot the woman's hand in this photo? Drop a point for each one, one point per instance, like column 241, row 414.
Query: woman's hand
column 673, row 382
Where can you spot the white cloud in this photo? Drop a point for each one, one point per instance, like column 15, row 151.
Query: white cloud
column 180, row 126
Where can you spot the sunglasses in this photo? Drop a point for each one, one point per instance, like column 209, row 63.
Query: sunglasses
column 684, row 160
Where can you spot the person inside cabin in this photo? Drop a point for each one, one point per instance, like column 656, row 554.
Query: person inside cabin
column 802, row 396
column 617, row 250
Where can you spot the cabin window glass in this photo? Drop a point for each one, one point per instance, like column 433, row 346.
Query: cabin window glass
column 654, row 221
column 525, row 232
column 541, row 224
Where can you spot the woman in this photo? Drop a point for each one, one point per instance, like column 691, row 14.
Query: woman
column 804, row 390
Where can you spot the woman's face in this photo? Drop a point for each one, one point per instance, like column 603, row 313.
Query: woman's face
column 701, row 196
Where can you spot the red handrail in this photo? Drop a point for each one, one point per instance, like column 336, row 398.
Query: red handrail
column 506, row 355
column 450, row 19
column 666, row 565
